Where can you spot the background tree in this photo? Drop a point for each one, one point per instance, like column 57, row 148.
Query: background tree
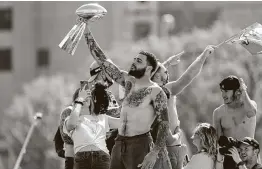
column 195, row 104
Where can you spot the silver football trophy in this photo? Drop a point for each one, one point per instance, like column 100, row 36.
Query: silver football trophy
column 85, row 13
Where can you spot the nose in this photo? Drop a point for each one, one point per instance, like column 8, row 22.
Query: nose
column 241, row 152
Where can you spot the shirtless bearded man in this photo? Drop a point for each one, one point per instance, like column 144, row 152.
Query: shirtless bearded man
column 144, row 101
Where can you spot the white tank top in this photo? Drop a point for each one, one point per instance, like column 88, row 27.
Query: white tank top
column 90, row 131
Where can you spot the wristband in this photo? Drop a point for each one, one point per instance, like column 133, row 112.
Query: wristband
column 240, row 163
column 79, row 102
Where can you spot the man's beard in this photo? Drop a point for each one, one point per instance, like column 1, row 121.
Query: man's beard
column 138, row 73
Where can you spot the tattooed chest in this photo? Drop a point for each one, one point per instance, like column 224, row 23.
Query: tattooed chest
column 135, row 99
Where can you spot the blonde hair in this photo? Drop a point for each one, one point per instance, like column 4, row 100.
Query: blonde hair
column 208, row 138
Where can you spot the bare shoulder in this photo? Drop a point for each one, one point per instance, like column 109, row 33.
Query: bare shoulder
column 219, row 111
column 254, row 103
column 157, row 91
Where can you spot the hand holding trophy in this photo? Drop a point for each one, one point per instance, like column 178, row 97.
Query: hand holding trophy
column 86, row 13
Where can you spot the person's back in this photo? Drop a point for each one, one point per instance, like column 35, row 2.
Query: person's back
column 200, row 161
column 87, row 126
column 205, row 139
column 91, row 134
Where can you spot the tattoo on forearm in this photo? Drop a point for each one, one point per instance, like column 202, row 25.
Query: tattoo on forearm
column 95, row 50
column 162, row 134
column 64, row 115
column 136, row 98
column 100, row 57
column 114, row 72
column 115, row 112
column 162, row 118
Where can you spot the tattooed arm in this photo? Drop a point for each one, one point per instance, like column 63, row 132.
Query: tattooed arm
column 113, row 107
column 161, row 109
column 192, row 71
column 63, row 116
column 110, row 68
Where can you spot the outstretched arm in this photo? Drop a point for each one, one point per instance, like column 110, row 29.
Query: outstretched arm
column 192, row 71
column 110, row 68
column 173, row 60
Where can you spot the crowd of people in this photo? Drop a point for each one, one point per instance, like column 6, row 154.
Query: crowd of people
column 143, row 130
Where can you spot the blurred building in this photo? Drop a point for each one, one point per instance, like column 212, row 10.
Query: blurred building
column 31, row 31
column 190, row 14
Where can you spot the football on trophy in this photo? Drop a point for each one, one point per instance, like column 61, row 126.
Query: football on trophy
column 91, row 11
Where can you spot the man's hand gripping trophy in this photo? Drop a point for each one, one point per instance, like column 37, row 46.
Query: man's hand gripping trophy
column 86, row 13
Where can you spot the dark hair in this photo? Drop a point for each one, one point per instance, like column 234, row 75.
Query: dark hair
column 151, row 59
column 100, row 98
column 230, row 83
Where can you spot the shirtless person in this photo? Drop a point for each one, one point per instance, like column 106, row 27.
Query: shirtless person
column 236, row 118
column 177, row 152
column 144, row 101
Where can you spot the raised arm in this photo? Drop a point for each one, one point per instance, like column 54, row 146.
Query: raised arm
column 250, row 106
column 72, row 121
column 83, row 98
column 110, row 68
column 192, row 71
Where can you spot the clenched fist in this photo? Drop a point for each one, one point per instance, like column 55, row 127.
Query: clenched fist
column 209, row 50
